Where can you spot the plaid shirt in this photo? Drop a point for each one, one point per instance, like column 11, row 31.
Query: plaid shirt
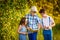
column 33, row 21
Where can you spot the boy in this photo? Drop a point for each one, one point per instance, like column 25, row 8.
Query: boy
column 47, row 24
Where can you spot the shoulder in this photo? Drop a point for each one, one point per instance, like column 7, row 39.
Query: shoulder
column 28, row 14
column 36, row 16
column 50, row 17
column 20, row 26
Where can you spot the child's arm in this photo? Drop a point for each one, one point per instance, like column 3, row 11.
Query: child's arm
column 30, row 29
column 19, row 28
column 39, row 26
column 52, row 23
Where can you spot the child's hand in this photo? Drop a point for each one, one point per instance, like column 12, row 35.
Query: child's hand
column 30, row 29
column 49, row 27
column 46, row 27
column 35, row 31
column 24, row 33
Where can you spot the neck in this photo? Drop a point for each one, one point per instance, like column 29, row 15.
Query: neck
column 23, row 24
column 32, row 14
column 44, row 16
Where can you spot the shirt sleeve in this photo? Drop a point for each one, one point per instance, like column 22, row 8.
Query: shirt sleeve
column 27, row 17
column 38, row 20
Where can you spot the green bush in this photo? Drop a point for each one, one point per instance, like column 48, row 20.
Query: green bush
column 11, row 11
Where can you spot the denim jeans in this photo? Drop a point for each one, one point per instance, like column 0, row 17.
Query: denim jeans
column 22, row 37
column 47, row 34
column 32, row 36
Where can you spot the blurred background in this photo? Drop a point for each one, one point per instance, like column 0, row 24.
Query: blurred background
column 11, row 11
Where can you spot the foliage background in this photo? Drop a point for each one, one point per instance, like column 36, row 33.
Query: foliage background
column 11, row 11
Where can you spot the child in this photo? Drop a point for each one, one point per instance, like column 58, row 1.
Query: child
column 22, row 29
column 47, row 23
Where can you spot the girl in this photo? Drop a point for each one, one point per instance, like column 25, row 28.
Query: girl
column 22, row 29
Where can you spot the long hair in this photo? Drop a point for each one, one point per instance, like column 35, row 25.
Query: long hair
column 22, row 21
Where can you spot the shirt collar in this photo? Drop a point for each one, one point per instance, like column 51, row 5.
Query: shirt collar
column 34, row 14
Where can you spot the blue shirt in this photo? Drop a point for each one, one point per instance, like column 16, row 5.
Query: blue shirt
column 33, row 21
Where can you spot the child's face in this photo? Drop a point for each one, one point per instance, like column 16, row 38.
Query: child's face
column 42, row 14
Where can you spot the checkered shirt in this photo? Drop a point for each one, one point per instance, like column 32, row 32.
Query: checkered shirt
column 33, row 21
